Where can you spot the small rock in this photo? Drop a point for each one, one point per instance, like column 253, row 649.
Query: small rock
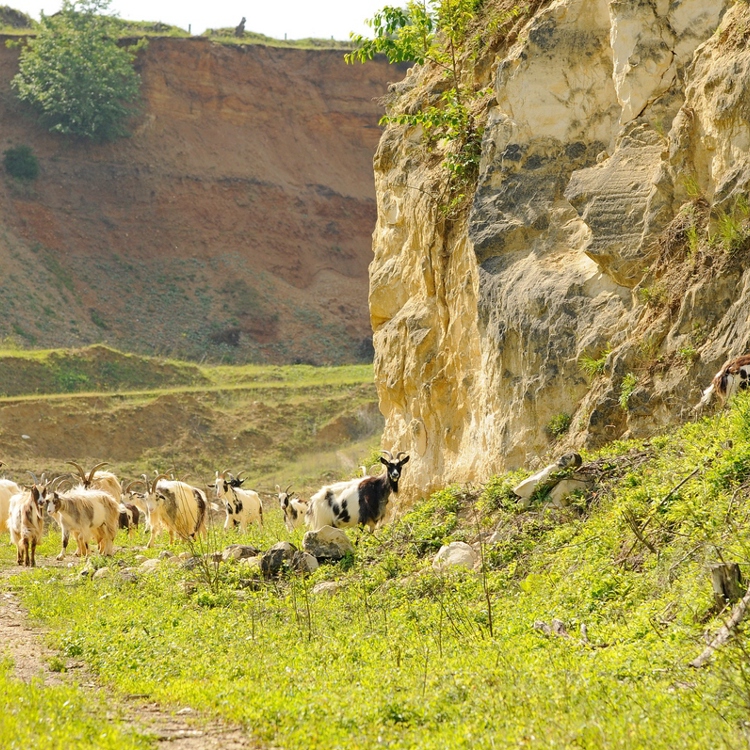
column 239, row 552
column 166, row 555
column 185, row 555
column 273, row 561
column 327, row 543
column 140, row 558
column 103, row 573
column 327, row 587
column 149, row 565
column 455, row 554
column 303, row 562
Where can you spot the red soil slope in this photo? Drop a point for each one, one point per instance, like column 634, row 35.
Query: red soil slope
column 233, row 224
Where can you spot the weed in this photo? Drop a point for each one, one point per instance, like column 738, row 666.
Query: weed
column 693, row 240
column 594, row 366
column 629, row 383
column 558, row 425
column 653, row 296
column 730, row 232
column 692, row 188
column 688, row 354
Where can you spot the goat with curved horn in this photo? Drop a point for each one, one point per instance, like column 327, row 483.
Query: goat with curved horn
column 81, row 472
column 94, row 470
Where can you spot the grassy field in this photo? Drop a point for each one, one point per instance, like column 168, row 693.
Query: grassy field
column 298, row 424
column 396, row 654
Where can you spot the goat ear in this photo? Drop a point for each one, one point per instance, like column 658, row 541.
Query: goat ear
column 403, row 461
column 384, row 460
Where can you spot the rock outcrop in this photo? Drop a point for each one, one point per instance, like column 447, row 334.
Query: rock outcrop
column 617, row 138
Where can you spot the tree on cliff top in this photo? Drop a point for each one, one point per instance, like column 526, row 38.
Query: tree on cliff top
column 433, row 32
column 76, row 76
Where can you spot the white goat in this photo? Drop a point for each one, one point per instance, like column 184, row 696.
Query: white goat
column 99, row 480
column 294, row 508
column 85, row 513
column 734, row 376
column 7, row 490
column 26, row 524
column 358, row 502
column 175, row 506
column 242, row 506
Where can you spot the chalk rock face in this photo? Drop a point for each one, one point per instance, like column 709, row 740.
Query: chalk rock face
column 608, row 115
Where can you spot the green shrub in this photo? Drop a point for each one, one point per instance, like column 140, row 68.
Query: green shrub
column 558, row 425
column 75, row 75
column 20, row 162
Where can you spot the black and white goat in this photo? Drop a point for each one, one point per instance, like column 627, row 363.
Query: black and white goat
column 358, row 502
column 734, row 376
column 242, row 506
column 294, row 508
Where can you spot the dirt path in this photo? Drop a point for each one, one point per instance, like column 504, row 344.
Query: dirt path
column 182, row 730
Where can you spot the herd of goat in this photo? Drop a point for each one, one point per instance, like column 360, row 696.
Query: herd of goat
column 96, row 504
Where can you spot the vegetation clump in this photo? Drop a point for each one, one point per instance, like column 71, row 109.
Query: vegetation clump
column 76, row 76
column 21, row 163
column 434, row 32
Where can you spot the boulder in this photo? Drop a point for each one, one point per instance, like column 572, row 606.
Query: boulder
column 327, row 543
column 272, row 562
column 453, row 555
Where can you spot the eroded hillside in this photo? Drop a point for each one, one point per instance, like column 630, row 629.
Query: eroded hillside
column 234, row 223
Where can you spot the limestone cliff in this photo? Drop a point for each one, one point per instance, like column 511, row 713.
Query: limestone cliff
column 608, row 228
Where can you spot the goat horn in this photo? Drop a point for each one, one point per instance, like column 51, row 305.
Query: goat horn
column 52, row 484
column 127, row 487
column 239, row 476
column 33, row 476
column 156, row 479
column 287, row 489
column 81, row 472
column 388, row 454
column 224, row 473
column 401, row 453
column 93, row 471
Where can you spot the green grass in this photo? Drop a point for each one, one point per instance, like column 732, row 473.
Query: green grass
column 54, row 717
column 403, row 657
column 101, row 369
